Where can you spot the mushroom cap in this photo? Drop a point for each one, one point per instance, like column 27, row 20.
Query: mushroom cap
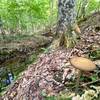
column 83, row 64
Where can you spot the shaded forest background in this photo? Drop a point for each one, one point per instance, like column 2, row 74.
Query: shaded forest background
column 31, row 16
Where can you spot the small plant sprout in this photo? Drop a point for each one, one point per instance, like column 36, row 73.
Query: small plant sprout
column 81, row 64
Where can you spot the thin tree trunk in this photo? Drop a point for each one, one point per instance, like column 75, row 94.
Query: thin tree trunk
column 66, row 20
column 83, row 8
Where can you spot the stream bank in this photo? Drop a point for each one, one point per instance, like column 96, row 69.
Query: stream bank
column 15, row 56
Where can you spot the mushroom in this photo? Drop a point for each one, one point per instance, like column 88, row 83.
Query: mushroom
column 81, row 64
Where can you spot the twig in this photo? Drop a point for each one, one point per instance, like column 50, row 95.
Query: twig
column 89, row 83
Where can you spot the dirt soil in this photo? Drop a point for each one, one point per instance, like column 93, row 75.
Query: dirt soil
column 52, row 70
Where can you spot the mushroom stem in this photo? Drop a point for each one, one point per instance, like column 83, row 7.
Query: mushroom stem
column 77, row 81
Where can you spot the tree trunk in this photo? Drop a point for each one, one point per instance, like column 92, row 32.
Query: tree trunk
column 66, row 20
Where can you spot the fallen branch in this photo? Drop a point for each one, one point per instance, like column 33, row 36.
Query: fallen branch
column 90, row 83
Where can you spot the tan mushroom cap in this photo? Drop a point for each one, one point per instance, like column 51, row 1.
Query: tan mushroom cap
column 82, row 63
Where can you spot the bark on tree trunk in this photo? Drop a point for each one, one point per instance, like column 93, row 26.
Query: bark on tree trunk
column 66, row 19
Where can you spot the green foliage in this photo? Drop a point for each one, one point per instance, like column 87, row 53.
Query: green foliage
column 86, row 7
column 60, row 97
column 94, row 78
column 24, row 13
column 51, row 98
column 94, row 54
column 92, row 6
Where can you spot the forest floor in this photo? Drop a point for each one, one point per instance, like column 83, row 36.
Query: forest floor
column 52, row 77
